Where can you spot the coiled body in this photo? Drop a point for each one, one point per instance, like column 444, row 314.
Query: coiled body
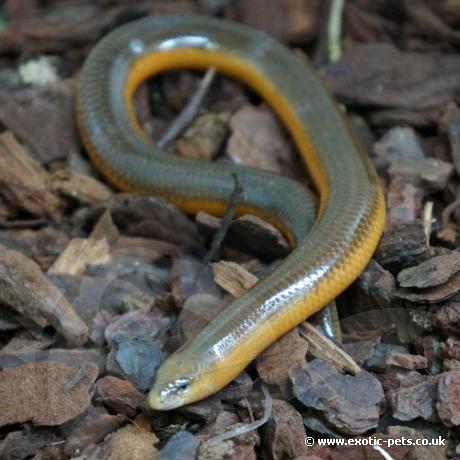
column 325, row 259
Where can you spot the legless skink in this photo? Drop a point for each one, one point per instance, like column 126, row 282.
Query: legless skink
column 325, row 260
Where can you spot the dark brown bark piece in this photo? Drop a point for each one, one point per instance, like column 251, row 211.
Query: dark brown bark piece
column 447, row 317
column 52, row 140
column 91, row 427
column 149, row 217
column 274, row 363
column 24, row 288
column 401, row 247
column 434, row 294
column 266, row 16
column 249, row 234
column 119, row 395
column 71, row 357
column 376, row 285
column 348, row 403
column 432, row 272
column 65, row 26
column 23, row 181
column 428, row 173
column 42, row 245
column 409, row 403
column 378, row 74
column 283, row 436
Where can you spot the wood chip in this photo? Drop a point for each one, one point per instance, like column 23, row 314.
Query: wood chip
column 23, row 182
column 83, row 189
column 321, row 347
column 233, row 277
column 80, row 253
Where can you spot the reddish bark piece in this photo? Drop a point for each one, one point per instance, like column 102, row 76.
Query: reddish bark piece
column 432, row 272
column 257, row 140
column 448, row 394
column 415, row 401
column 131, row 442
column 25, row 289
column 284, row 433
column 348, row 403
column 303, row 18
column 120, row 395
column 407, row 361
column 404, row 202
column 47, row 393
column 274, row 363
column 396, row 378
column 378, row 74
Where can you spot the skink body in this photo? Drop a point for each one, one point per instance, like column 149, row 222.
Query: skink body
column 328, row 253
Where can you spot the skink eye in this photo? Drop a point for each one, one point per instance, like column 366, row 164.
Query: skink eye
column 183, row 386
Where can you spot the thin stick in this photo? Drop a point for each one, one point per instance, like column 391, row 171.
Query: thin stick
column 334, row 30
column 247, row 427
column 226, row 220
column 190, row 110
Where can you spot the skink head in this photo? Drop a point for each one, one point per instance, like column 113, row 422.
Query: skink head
column 176, row 384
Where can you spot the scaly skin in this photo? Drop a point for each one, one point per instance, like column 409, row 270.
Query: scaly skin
column 326, row 259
